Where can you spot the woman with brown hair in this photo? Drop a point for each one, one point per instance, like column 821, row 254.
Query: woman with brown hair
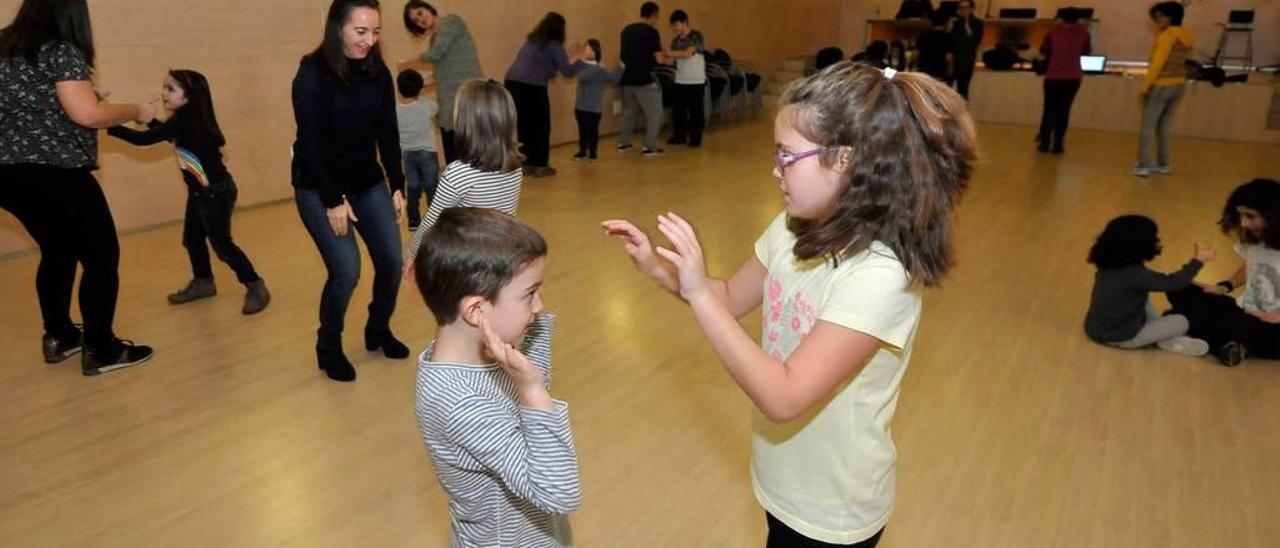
column 49, row 117
column 451, row 51
column 539, row 59
column 345, row 109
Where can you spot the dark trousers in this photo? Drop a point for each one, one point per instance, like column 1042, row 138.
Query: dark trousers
column 1058, row 96
column 533, row 121
column 588, row 131
column 421, row 174
column 208, row 219
column 446, row 142
column 781, row 536
column 688, row 115
column 1218, row 320
column 377, row 227
column 67, row 215
column 963, row 77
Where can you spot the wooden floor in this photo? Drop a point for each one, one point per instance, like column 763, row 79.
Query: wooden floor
column 1013, row 429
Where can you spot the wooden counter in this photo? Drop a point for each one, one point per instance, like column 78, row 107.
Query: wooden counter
column 1236, row 112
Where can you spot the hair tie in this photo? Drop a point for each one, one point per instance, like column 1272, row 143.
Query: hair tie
column 889, row 72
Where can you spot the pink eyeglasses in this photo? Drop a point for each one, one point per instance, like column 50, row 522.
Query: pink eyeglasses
column 784, row 159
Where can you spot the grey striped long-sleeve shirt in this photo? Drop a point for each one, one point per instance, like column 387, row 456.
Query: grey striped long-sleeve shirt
column 464, row 186
column 510, row 473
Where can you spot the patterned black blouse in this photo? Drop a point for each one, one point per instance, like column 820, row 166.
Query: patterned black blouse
column 33, row 127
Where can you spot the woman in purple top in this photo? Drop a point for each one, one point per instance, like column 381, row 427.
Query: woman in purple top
column 1062, row 48
column 540, row 58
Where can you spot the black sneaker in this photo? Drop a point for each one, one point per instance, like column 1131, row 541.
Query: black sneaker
column 592, row 157
column 624, row 148
column 580, row 156
column 1231, row 354
column 56, row 350
column 653, row 152
column 118, row 354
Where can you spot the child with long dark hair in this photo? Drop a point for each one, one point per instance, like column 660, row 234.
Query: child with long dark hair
column 1249, row 325
column 211, row 191
column 1120, row 313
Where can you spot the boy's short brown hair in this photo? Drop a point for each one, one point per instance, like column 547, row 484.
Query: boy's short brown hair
column 472, row 251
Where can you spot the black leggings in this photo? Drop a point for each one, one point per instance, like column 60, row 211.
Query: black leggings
column 67, row 215
column 781, row 536
column 533, row 121
column 1058, row 97
column 209, row 220
column 588, row 131
column 1218, row 320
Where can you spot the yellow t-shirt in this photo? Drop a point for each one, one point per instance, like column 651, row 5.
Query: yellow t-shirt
column 829, row 474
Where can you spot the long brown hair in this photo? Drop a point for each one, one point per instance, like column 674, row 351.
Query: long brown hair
column 199, row 123
column 484, row 121
column 39, row 22
column 909, row 146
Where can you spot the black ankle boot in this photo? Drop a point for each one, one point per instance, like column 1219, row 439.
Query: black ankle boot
column 334, row 363
column 375, row 338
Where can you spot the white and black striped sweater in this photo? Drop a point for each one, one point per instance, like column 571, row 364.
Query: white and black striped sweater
column 464, row 186
column 510, row 473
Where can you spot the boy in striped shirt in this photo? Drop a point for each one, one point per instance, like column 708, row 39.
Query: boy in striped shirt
column 501, row 446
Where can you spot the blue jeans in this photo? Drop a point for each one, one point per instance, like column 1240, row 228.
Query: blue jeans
column 421, row 173
column 377, row 227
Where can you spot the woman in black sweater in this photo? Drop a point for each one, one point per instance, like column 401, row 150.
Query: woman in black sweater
column 344, row 106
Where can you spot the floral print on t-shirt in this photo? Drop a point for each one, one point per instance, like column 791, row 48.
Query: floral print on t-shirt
column 787, row 319
column 33, row 127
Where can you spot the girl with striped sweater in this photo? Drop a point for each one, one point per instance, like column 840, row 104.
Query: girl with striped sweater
column 487, row 172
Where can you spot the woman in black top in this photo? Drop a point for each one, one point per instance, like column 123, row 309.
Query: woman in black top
column 344, row 106
column 48, row 151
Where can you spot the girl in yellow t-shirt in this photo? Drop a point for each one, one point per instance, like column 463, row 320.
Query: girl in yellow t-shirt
column 870, row 164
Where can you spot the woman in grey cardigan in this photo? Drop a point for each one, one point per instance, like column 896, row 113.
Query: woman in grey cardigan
column 452, row 52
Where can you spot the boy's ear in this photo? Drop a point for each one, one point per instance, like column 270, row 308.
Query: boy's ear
column 471, row 309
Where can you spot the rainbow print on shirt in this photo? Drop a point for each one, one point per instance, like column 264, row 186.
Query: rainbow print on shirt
column 190, row 163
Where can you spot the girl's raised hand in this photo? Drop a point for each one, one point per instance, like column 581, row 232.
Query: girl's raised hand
column 637, row 245
column 687, row 256
column 1205, row 254
column 147, row 111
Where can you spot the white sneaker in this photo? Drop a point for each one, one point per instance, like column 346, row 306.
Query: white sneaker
column 1161, row 170
column 1140, row 171
column 1187, row 346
